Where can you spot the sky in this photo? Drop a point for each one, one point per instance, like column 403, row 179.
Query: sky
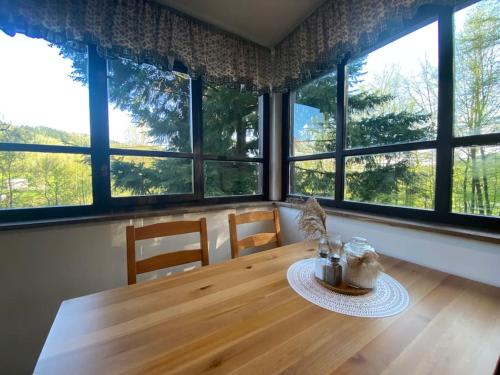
column 36, row 90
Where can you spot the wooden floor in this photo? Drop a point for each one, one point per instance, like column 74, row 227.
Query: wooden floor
column 242, row 317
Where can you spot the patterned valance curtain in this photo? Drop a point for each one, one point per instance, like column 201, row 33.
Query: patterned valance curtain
column 148, row 32
column 143, row 31
column 339, row 28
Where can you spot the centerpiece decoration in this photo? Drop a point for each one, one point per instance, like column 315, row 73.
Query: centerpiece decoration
column 346, row 279
column 351, row 269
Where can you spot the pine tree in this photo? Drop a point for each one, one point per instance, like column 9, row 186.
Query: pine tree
column 158, row 102
column 369, row 123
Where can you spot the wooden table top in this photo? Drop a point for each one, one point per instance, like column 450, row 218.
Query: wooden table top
column 241, row 316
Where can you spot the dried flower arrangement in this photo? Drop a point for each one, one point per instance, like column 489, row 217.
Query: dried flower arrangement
column 311, row 219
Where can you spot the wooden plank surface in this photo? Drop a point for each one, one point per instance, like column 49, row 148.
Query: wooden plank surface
column 253, row 216
column 168, row 260
column 242, row 317
column 259, row 239
column 166, row 229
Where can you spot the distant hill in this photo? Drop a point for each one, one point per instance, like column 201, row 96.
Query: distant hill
column 41, row 135
column 48, row 136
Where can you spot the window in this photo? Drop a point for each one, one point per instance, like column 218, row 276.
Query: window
column 396, row 179
column 387, row 133
column 314, row 117
column 313, row 177
column 476, row 160
column 145, row 175
column 232, row 143
column 313, row 138
column 392, row 100
column 392, row 92
column 149, row 113
column 477, row 72
column 231, row 123
column 83, row 135
column 225, row 178
column 44, row 133
column 476, row 179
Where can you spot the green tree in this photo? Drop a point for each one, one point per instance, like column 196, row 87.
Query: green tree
column 35, row 179
column 159, row 103
column 371, row 120
column 230, row 122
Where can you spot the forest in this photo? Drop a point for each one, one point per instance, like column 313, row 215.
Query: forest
column 398, row 111
column 37, row 179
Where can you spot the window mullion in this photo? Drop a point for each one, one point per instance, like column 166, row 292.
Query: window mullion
column 444, row 152
column 340, row 132
column 197, row 129
column 33, row 147
column 398, row 147
column 476, row 140
column 286, row 121
column 150, row 153
column 265, row 144
column 324, row 155
column 99, row 129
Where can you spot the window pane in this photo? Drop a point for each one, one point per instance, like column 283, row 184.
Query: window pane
column 37, row 179
column 223, row 178
column 231, row 122
column 313, row 177
column 477, row 69
column 314, row 110
column 392, row 92
column 476, row 180
column 148, row 107
column 41, row 100
column 143, row 175
column 396, row 179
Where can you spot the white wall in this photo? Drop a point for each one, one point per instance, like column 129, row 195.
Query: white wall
column 471, row 259
column 41, row 267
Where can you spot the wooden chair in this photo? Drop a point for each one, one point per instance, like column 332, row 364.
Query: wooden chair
column 165, row 260
column 255, row 240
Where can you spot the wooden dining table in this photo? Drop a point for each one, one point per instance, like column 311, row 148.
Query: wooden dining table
column 242, row 317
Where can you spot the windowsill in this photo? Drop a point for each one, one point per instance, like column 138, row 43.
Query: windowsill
column 131, row 215
column 472, row 234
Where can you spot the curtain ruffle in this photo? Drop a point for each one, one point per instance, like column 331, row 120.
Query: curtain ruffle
column 336, row 30
column 146, row 32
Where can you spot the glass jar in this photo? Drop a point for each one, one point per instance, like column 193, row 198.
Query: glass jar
column 355, row 273
column 323, row 247
column 357, row 246
column 335, row 243
column 320, row 264
column 333, row 272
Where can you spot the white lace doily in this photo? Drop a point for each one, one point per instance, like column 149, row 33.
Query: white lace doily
column 388, row 297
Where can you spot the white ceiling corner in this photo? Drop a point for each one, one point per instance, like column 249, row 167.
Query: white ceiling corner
column 265, row 22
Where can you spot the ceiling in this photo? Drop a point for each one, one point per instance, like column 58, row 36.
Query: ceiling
column 265, row 22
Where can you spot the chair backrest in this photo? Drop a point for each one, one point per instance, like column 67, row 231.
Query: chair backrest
column 165, row 260
column 255, row 240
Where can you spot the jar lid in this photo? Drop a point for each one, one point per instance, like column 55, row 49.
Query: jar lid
column 334, row 258
column 358, row 246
